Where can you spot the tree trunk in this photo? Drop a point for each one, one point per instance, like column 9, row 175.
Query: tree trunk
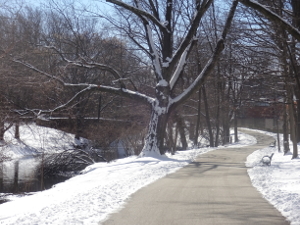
column 286, row 145
column 236, row 137
column 79, row 127
column 198, row 119
column 17, row 129
column 79, row 123
column 180, row 126
column 278, row 136
column 170, row 138
column 217, row 125
column 226, row 131
column 298, row 116
column 175, row 142
column 295, row 146
column 293, row 128
column 207, row 117
column 191, row 130
column 2, row 131
column 16, row 177
column 1, row 175
column 154, row 141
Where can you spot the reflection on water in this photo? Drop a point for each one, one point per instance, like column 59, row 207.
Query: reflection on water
column 21, row 176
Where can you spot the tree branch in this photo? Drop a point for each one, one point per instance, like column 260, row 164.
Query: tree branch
column 139, row 12
column 89, row 65
column 86, row 87
column 210, row 64
column 273, row 17
column 153, row 51
column 180, row 66
column 191, row 33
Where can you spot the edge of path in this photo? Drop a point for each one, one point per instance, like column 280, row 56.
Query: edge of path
column 214, row 189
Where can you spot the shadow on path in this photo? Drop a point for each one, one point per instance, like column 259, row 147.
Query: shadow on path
column 215, row 189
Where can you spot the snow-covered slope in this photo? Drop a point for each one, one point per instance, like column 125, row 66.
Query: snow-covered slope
column 36, row 139
column 278, row 183
column 101, row 189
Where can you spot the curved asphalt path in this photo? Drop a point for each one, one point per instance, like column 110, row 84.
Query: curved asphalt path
column 215, row 189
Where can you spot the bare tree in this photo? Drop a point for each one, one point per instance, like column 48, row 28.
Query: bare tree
column 160, row 23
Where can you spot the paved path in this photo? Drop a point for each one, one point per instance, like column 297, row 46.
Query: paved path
column 215, row 189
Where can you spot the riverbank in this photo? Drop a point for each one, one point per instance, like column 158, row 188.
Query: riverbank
column 101, row 189
column 104, row 187
column 35, row 140
column 19, row 172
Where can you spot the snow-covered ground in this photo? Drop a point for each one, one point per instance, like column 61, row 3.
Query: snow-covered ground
column 278, row 183
column 103, row 188
column 35, row 139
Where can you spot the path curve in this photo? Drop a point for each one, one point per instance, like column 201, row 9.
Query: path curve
column 215, row 189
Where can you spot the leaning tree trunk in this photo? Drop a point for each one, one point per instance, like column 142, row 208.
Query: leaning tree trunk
column 160, row 111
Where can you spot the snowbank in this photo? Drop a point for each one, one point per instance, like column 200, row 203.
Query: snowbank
column 101, row 189
column 36, row 139
column 278, row 183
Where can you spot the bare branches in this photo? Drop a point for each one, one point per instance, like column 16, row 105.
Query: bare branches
column 191, row 32
column 211, row 63
column 139, row 12
column 86, row 87
column 153, row 51
column 117, row 91
column 88, row 65
column 273, row 17
column 28, row 65
column 180, row 66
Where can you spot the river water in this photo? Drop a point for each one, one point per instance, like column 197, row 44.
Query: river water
column 21, row 176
